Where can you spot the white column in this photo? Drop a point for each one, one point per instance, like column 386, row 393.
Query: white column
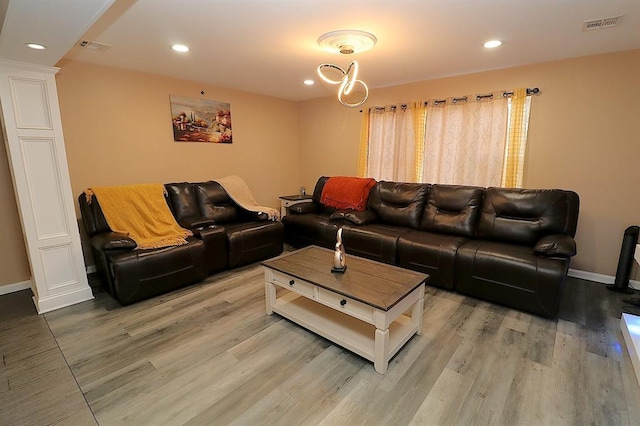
column 38, row 162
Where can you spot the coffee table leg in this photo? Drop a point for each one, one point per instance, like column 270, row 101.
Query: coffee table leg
column 270, row 296
column 416, row 313
column 381, row 351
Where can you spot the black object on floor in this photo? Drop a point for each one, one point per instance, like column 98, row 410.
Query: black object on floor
column 625, row 262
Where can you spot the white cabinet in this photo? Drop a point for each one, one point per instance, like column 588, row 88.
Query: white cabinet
column 38, row 162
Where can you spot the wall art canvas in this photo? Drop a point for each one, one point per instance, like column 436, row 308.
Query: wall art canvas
column 200, row 120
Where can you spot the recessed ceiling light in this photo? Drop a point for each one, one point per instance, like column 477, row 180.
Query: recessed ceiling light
column 180, row 48
column 309, row 82
column 36, row 46
column 492, row 43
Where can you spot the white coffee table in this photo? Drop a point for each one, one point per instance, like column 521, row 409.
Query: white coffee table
column 372, row 309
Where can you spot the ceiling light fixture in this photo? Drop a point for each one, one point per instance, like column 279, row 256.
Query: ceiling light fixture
column 180, row 48
column 309, row 82
column 492, row 43
column 36, row 46
column 346, row 42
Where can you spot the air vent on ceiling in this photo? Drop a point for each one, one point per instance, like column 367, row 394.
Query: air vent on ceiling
column 94, row 45
column 602, row 23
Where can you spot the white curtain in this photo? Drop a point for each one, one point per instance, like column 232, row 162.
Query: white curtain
column 392, row 147
column 465, row 141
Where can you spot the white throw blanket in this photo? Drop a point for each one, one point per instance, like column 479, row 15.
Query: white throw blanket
column 239, row 192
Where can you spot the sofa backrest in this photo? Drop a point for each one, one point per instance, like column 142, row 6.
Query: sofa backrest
column 398, row 203
column 523, row 216
column 317, row 191
column 214, row 203
column 452, row 209
column 182, row 200
column 92, row 216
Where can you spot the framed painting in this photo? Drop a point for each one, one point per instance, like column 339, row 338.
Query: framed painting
column 200, row 120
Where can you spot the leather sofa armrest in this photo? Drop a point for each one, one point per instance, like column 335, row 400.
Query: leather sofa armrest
column 195, row 222
column 302, row 208
column 261, row 216
column 248, row 215
column 357, row 217
column 557, row 245
column 112, row 241
column 361, row 217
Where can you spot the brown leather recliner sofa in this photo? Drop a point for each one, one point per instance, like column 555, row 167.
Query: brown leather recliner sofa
column 224, row 236
column 509, row 246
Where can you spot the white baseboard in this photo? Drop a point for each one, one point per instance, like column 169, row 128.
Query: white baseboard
column 599, row 278
column 12, row 288
column 57, row 301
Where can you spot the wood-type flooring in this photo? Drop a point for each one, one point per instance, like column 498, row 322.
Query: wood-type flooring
column 208, row 355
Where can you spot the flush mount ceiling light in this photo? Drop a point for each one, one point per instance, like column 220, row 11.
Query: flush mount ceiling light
column 345, row 42
column 180, row 48
column 36, row 46
column 492, row 43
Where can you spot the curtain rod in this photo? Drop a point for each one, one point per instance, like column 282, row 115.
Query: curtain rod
column 530, row 91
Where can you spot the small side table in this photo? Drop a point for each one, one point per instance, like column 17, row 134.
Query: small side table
column 290, row 200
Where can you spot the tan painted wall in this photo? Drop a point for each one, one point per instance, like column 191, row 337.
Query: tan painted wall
column 117, row 129
column 14, row 264
column 582, row 136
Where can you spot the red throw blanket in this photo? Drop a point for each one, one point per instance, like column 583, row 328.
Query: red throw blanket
column 347, row 192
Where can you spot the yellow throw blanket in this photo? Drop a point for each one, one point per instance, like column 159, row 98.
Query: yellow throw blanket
column 141, row 212
column 239, row 192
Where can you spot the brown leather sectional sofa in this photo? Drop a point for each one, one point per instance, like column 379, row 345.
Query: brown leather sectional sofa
column 509, row 246
column 225, row 236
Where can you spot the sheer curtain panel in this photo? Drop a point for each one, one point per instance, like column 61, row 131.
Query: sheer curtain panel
column 465, row 140
column 392, row 144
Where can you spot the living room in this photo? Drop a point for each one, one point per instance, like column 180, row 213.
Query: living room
column 117, row 131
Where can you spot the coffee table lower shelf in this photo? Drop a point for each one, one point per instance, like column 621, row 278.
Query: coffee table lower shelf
column 349, row 332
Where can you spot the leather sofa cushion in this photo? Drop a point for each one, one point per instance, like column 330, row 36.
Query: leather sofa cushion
column 452, row 209
column 523, row 216
column 512, row 275
column 182, row 199
column 311, row 228
column 140, row 274
column 250, row 242
column 377, row 242
column 398, row 203
column 433, row 254
column 214, row 203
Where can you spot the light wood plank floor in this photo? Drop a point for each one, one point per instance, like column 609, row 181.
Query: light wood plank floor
column 208, row 354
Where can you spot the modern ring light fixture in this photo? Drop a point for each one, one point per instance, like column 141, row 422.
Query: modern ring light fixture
column 346, row 42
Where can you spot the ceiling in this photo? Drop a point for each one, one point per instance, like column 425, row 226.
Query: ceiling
column 270, row 46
